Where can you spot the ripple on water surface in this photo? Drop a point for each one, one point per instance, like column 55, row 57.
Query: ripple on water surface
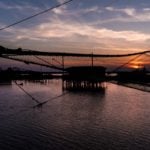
column 115, row 119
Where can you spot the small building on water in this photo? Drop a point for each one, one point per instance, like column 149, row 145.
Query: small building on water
column 84, row 78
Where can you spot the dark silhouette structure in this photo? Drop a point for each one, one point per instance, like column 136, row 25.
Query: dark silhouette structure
column 84, row 78
column 80, row 71
column 137, row 75
column 12, row 74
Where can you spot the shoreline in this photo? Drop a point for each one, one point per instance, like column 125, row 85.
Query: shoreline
column 136, row 86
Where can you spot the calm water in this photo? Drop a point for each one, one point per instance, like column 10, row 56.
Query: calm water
column 117, row 119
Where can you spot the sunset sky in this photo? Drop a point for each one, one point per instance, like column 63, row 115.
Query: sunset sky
column 99, row 26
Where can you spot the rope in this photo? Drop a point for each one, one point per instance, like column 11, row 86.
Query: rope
column 30, row 108
column 37, row 14
column 34, row 99
column 111, row 3
column 39, row 104
column 45, row 11
column 121, row 66
column 48, row 63
column 53, row 98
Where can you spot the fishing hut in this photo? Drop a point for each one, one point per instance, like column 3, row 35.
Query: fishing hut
column 84, row 78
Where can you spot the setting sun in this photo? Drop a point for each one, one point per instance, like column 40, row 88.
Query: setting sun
column 136, row 65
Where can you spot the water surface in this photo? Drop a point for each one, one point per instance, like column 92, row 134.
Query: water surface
column 115, row 119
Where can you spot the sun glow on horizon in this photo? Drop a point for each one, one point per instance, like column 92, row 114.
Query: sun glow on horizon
column 136, row 64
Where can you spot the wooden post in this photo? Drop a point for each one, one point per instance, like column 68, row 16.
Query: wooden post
column 63, row 64
column 92, row 60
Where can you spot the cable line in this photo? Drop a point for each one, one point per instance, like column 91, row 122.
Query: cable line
column 39, row 104
column 45, row 11
column 121, row 66
column 37, row 14
column 48, row 63
column 53, row 98
column 111, row 3
column 34, row 99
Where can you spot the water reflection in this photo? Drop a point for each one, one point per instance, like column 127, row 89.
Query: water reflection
column 5, row 82
column 115, row 119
